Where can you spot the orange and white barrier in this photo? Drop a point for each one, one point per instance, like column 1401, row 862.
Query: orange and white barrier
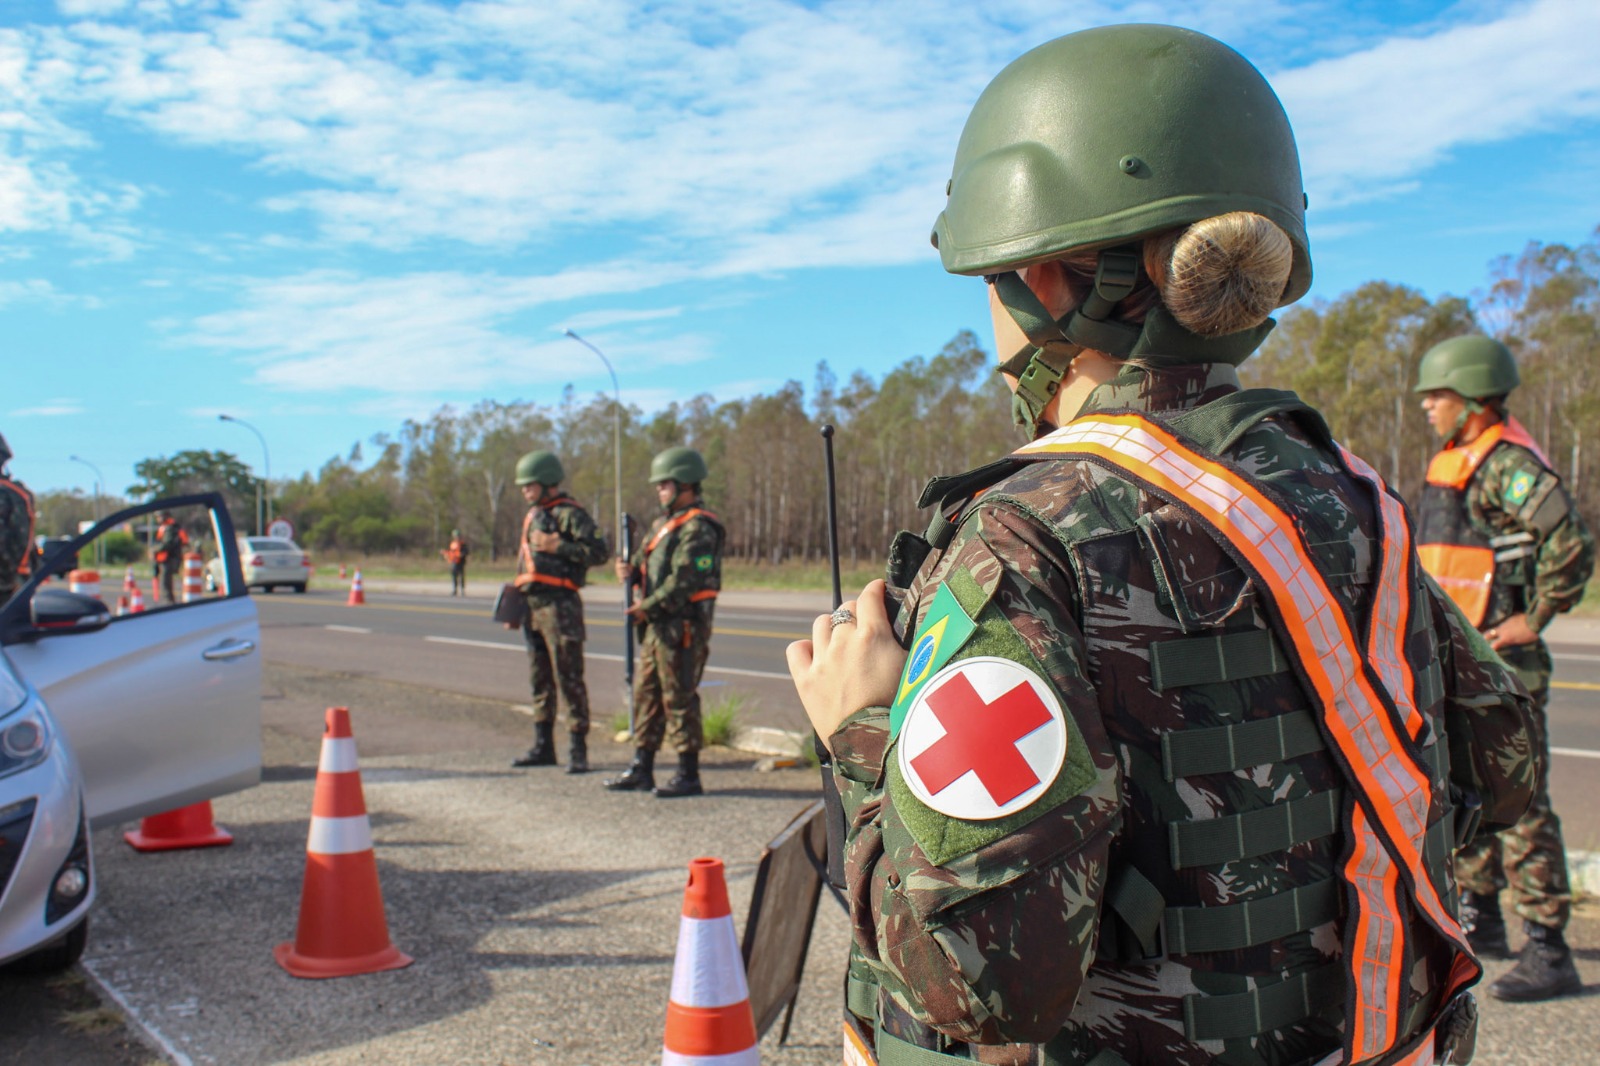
column 342, row 930
column 357, row 597
column 194, row 584
column 709, row 1021
column 85, row 581
column 187, row 827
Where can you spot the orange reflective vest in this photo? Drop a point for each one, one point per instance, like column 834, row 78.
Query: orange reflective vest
column 457, row 552
column 528, row 570
column 671, row 525
column 168, row 545
column 1460, row 556
column 1363, row 692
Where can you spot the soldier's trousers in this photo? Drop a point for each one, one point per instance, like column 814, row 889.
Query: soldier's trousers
column 666, row 690
column 169, row 579
column 554, row 637
column 1530, row 855
column 458, row 578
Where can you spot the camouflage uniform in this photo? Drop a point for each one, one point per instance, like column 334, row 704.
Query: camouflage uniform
column 1514, row 495
column 554, row 632
column 1007, row 941
column 16, row 536
column 681, row 566
column 171, row 540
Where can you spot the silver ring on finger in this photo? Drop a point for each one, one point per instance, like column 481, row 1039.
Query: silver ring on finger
column 841, row 616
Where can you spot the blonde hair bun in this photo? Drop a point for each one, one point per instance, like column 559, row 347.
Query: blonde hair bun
column 1227, row 273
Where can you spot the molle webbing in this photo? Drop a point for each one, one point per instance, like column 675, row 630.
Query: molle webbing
column 1264, row 1009
column 1220, row 749
column 1230, row 927
column 1212, row 841
column 1223, row 657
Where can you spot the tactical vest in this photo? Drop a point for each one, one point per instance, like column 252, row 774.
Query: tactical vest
column 1275, row 740
column 1462, row 557
column 658, row 550
column 457, row 552
column 546, row 568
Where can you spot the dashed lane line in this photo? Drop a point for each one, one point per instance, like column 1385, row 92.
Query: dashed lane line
column 1581, row 753
column 1582, row 686
column 612, row 623
column 348, row 629
column 502, row 646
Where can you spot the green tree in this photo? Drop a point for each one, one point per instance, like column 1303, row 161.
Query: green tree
column 198, row 471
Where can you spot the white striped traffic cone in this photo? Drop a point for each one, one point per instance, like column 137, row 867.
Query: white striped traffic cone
column 342, row 930
column 709, row 1022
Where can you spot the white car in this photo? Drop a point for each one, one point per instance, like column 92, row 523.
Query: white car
column 269, row 562
column 105, row 719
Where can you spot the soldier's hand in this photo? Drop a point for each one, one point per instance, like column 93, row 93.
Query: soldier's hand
column 849, row 665
column 1510, row 632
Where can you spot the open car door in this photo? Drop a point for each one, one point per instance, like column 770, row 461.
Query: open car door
column 162, row 707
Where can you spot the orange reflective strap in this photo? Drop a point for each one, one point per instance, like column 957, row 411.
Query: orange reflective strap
column 1375, row 741
column 524, row 580
column 703, row 595
column 1466, row 574
column 674, row 523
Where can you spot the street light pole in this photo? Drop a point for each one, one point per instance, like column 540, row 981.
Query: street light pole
column 99, row 479
column 616, row 422
column 261, row 523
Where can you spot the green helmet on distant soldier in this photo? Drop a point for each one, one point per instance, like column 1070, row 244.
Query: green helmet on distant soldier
column 1475, row 367
column 683, row 465
column 540, row 467
column 1087, row 145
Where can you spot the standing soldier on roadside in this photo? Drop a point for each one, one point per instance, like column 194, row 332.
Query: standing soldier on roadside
column 168, row 553
column 559, row 543
column 1501, row 535
column 679, row 572
column 1168, row 774
column 456, row 556
column 17, row 552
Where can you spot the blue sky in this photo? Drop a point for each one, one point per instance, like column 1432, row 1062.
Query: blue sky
column 328, row 216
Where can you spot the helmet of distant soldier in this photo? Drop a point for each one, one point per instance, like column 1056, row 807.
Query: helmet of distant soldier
column 1476, row 367
column 1104, row 136
column 456, row 533
column 683, row 465
column 541, row 468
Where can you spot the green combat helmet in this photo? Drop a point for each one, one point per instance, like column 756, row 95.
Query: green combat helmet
column 683, row 465
column 1096, row 140
column 541, row 467
column 1475, row 367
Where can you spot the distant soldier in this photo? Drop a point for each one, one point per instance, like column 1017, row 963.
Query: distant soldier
column 1501, row 535
column 456, row 555
column 679, row 571
column 559, row 544
column 16, row 528
column 171, row 540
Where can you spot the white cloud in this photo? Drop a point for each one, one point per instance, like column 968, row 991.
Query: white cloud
column 56, row 408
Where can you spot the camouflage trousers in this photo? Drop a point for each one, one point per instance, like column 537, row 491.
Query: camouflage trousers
column 666, row 690
column 554, row 636
column 1530, row 855
column 169, row 581
column 458, row 578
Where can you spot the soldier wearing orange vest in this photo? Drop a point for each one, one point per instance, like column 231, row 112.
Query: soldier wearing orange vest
column 678, row 571
column 1158, row 750
column 559, row 543
column 1500, row 534
column 171, row 540
column 456, row 555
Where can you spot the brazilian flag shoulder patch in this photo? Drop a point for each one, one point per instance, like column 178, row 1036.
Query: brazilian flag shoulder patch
column 704, row 563
column 945, row 628
column 1517, row 491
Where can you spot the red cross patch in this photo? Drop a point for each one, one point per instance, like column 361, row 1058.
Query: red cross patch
column 983, row 739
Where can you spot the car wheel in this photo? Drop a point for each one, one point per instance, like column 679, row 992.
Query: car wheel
column 300, row 588
column 268, row 589
column 57, row 955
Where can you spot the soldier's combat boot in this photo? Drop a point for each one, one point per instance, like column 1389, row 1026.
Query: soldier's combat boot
column 641, row 776
column 1544, row 969
column 686, row 782
column 578, row 755
column 543, row 752
column 1485, row 926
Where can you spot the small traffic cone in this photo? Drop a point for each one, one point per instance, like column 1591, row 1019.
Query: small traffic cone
column 357, row 597
column 135, row 601
column 342, row 574
column 122, row 603
column 342, row 930
column 186, row 827
column 128, row 582
column 709, row 1021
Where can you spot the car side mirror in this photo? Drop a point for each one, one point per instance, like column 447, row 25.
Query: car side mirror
column 57, row 610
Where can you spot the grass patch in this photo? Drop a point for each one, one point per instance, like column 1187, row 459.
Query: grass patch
column 92, row 1020
column 620, row 722
column 719, row 718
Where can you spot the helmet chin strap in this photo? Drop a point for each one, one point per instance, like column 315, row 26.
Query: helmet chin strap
column 1468, row 409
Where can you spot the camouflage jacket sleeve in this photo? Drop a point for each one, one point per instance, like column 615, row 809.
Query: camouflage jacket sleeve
column 16, row 527
column 694, row 555
column 1489, row 718
column 1521, row 495
column 581, row 542
column 983, row 930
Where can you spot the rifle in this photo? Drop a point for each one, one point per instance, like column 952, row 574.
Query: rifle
column 627, row 623
column 833, row 807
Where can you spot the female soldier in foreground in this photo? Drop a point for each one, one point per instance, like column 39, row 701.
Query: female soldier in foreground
column 1184, row 741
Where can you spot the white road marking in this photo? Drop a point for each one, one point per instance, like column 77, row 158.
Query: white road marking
column 603, row 656
column 1581, row 753
column 348, row 629
column 475, row 643
column 1563, row 656
column 747, row 673
column 155, row 1036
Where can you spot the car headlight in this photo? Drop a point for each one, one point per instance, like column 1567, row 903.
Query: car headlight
column 24, row 740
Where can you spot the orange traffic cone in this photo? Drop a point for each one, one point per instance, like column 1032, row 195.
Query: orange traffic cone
column 342, row 574
column 128, row 583
column 135, row 601
column 186, row 827
column 342, row 930
column 709, row 1022
column 357, row 597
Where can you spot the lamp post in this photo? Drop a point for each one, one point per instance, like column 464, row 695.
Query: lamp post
column 261, row 523
column 616, row 422
column 99, row 479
